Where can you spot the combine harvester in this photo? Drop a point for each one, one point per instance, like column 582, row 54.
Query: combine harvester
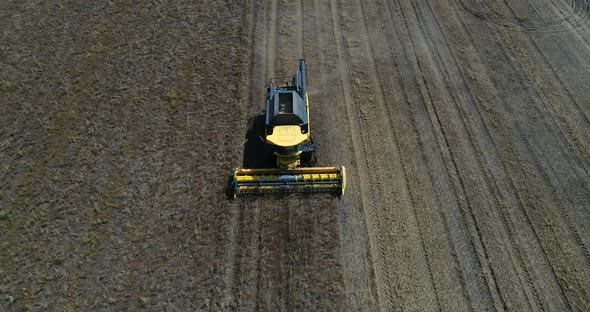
column 287, row 133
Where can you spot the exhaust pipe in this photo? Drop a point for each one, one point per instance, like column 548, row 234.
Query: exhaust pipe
column 303, row 82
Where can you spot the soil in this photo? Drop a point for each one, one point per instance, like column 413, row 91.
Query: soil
column 463, row 124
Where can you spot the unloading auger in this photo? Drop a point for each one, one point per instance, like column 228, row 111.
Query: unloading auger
column 287, row 133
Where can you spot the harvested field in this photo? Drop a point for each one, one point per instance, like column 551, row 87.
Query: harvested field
column 463, row 124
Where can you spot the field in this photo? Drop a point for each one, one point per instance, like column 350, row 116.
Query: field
column 463, row 124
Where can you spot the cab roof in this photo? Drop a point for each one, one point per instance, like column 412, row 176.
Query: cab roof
column 285, row 107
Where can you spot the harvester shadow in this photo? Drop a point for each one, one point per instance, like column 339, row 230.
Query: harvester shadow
column 256, row 153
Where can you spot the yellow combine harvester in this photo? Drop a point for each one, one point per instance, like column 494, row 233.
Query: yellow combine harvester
column 287, row 133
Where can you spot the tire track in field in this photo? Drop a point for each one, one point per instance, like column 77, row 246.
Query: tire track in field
column 525, row 216
column 357, row 263
column 491, row 185
column 258, row 256
column 461, row 185
column 390, row 295
column 378, row 81
column 574, row 29
column 444, row 280
column 512, row 60
column 498, row 165
column 472, row 144
column 411, row 263
column 576, row 19
column 467, row 218
column 576, row 26
column 531, row 226
column 332, row 139
column 537, row 164
column 290, row 28
column 578, row 59
column 382, row 269
column 579, row 10
column 577, row 154
column 288, row 253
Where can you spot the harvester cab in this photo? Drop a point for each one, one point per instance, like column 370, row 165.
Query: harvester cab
column 287, row 133
column 287, row 123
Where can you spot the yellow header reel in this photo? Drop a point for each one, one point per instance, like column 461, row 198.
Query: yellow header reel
column 297, row 180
